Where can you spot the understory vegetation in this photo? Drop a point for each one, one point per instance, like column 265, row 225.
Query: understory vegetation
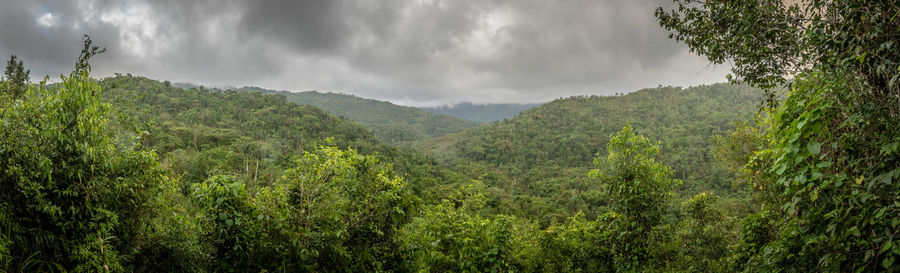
column 793, row 167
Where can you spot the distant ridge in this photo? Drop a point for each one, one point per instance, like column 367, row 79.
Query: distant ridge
column 389, row 122
column 481, row 112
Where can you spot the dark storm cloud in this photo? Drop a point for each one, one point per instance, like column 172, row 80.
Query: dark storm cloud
column 45, row 48
column 304, row 25
column 416, row 52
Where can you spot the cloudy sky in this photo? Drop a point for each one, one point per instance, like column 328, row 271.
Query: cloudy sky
column 413, row 52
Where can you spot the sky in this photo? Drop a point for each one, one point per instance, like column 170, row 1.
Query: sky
column 410, row 52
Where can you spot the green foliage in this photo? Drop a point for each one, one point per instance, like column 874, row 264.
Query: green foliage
column 639, row 189
column 453, row 237
column 481, row 112
column 737, row 149
column 769, row 41
column 757, row 231
column 201, row 132
column 580, row 245
column 81, row 188
column 537, row 161
column 764, row 44
column 173, row 231
column 339, row 210
column 248, row 129
column 391, row 123
column 838, row 201
column 704, row 235
column 637, row 234
column 639, row 185
column 230, row 226
column 71, row 197
column 89, row 51
column 16, row 79
column 346, row 209
column 829, row 168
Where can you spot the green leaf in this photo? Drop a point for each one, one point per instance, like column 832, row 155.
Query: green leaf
column 816, row 175
column 887, row 177
column 888, row 262
column 781, row 169
column 801, row 124
column 889, row 148
column 814, row 147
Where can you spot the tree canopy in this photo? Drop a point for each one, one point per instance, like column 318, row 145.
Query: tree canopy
column 128, row 174
column 827, row 168
column 15, row 79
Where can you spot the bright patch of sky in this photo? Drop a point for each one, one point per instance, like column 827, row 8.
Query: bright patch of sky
column 46, row 20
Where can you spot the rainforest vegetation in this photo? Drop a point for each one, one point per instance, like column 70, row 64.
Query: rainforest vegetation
column 391, row 123
column 793, row 166
column 481, row 112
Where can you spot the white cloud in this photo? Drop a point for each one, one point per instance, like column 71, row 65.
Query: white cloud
column 46, row 20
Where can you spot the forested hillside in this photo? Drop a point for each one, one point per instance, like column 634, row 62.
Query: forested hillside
column 792, row 167
column 546, row 151
column 201, row 132
column 389, row 122
column 481, row 112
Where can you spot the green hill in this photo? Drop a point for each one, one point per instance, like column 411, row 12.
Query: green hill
column 200, row 132
column 534, row 165
column 481, row 112
column 544, row 153
column 129, row 174
column 389, row 122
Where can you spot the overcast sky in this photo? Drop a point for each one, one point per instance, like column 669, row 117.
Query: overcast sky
column 414, row 52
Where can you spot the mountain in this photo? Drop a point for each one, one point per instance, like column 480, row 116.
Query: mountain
column 535, row 165
column 200, row 132
column 545, row 153
column 389, row 122
column 481, row 112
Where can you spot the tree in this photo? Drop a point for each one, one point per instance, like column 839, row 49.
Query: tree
column 78, row 191
column 231, row 226
column 342, row 210
column 16, row 79
column 580, row 245
column 639, row 189
column 829, row 167
column 89, row 51
column 704, row 235
column 453, row 237
column 771, row 41
column 70, row 197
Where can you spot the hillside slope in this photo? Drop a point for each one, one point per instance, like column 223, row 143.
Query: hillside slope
column 200, row 132
column 481, row 112
column 389, row 122
column 546, row 151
